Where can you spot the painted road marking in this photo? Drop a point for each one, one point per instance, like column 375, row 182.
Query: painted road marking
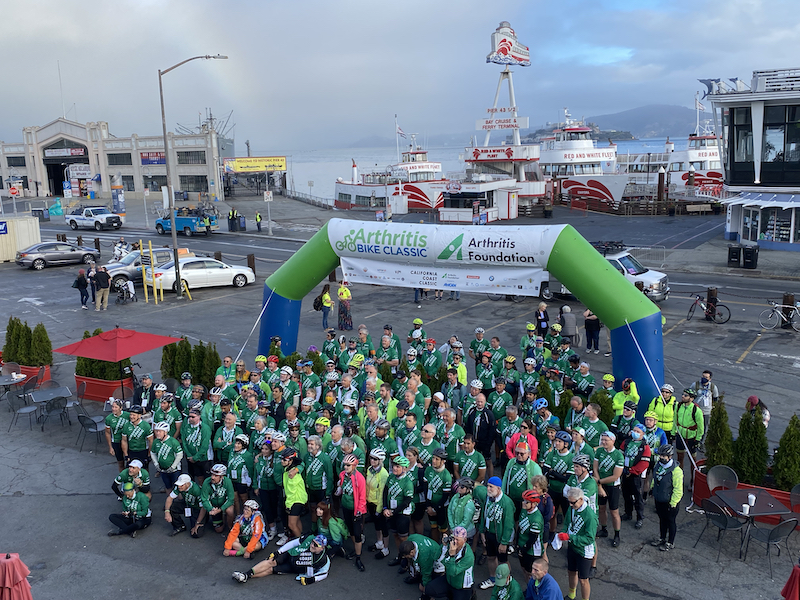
column 671, row 329
column 750, row 347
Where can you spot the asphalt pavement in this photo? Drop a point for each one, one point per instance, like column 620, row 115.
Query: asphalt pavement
column 55, row 500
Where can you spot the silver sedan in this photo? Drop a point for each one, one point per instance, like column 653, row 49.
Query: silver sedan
column 47, row 254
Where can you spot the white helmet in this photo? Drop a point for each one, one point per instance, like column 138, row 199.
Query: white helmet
column 378, row 453
column 279, row 436
column 417, row 334
column 476, row 383
column 219, row 469
column 287, row 369
column 160, row 388
column 161, row 426
column 411, row 352
column 251, row 504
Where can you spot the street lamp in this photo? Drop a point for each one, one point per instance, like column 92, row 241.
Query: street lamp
column 178, row 283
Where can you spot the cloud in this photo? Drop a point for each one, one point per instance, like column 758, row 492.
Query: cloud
column 314, row 74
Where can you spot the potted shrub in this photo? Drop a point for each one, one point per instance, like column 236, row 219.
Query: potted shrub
column 751, row 449
column 12, row 340
column 102, row 377
column 719, row 439
column 786, row 463
column 30, row 349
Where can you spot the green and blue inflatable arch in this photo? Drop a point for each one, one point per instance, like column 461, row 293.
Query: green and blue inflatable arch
column 633, row 320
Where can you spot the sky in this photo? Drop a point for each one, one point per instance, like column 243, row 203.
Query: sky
column 308, row 74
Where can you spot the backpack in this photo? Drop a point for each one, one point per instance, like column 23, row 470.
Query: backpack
column 318, row 303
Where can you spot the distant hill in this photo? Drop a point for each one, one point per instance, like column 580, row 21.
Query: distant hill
column 654, row 120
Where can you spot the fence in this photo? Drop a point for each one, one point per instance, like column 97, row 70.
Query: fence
column 307, row 198
column 651, row 255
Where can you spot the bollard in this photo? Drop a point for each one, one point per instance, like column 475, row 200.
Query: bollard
column 788, row 303
column 97, row 244
column 251, row 262
column 79, row 240
column 711, row 299
column 218, row 255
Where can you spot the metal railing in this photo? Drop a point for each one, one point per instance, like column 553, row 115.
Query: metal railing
column 307, row 198
column 653, row 255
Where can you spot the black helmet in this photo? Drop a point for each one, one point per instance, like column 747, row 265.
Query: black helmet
column 136, row 409
column 666, row 450
column 441, row 453
column 289, row 453
column 466, row 482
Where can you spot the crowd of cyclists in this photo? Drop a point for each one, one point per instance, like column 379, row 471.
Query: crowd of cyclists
column 340, row 463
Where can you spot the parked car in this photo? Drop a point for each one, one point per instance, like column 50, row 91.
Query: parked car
column 200, row 272
column 129, row 267
column 45, row 254
column 95, row 217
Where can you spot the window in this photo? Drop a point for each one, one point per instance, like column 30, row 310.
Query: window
column 792, row 147
column 15, row 161
column 194, row 183
column 127, row 183
column 344, row 197
column 155, row 183
column 773, row 143
column 775, row 225
column 120, row 158
column 192, row 157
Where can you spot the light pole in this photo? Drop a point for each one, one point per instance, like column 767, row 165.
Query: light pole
column 178, row 283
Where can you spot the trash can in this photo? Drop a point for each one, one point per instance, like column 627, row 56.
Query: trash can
column 750, row 257
column 735, row 255
column 41, row 213
column 91, row 196
column 242, row 223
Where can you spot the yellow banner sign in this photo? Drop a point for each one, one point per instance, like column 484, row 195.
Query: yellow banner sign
column 255, row 164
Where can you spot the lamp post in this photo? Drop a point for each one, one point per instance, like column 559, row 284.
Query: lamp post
column 178, row 283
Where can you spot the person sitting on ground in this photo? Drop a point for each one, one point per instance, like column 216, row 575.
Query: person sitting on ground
column 307, row 559
column 541, row 585
column 506, row 587
column 135, row 514
column 247, row 536
column 183, row 502
column 217, row 497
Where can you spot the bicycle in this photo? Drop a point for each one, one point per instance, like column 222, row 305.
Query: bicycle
column 129, row 372
column 770, row 318
column 510, row 297
column 719, row 313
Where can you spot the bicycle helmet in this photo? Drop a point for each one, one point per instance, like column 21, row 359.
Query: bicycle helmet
column 582, row 460
column 288, row 453
column 402, row 461
column 667, row 388
column 564, row 437
column 529, row 361
column 417, row 334
column 417, row 321
column 324, row 421
column 273, row 359
column 531, row 496
column 630, row 405
column 530, row 327
column 195, row 405
column 476, row 383
column 530, row 389
column 411, row 352
column 293, row 424
column 279, row 437
column 556, row 327
column 480, row 330
column 626, row 383
column 350, row 401
column 162, row 426
column 430, row 341
column 378, row 453
column 243, row 440
column 499, row 380
column 440, row 453
column 136, row 409
column 487, row 354
column 540, row 404
column 690, row 392
column 260, row 358
column 457, row 344
column 321, row 540
column 251, row 504
column 219, row 469
column 186, row 375
column 350, row 459
column 382, row 424
column 651, row 414
column 160, row 388
column 511, row 359
column 666, row 450
column 287, row 369
column 215, row 391
column 608, row 377
column 466, row 482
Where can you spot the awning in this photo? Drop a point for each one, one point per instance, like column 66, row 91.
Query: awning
column 764, row 200
column 96, row 177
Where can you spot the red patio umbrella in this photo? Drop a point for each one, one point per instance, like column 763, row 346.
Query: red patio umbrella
column 13, row 578
column 116, row 345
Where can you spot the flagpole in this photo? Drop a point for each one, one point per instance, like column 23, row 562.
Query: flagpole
column 697, row 113
column 397, row 137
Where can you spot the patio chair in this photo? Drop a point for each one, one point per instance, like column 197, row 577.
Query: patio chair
column 26, row 390
column 772, row 537
column 56, row 406
column 794, row 495
column 716, row 516
column 9, row 368
column 718, row 475
column 18, row 407
column 89, row 426
column 40, row 376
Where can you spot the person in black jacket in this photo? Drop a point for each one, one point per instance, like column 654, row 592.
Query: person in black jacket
column 480, row 422
column 103, row 282
column 82, row 285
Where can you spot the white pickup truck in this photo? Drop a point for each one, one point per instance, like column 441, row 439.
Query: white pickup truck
column 93, row 217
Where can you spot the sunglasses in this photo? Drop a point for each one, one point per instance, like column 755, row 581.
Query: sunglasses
column 520, row 453
column 524, row 427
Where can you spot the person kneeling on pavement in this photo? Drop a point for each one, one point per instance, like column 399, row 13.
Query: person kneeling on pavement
column 458, row 561
column 135, row 512
column 307, row 559
column 184, row 502
column 505, row 586
column 247, row 535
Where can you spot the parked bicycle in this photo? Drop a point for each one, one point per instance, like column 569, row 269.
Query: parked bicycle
column 510, row 297
column 129, row 372
column 719, row 313
column 770, row 318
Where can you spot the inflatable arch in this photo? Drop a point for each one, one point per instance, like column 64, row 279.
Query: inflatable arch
column 473, row 259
